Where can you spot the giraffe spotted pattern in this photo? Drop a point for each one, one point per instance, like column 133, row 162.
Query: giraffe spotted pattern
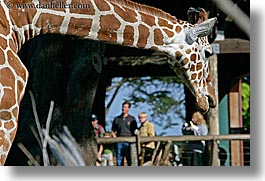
column 113, row 21
column 13, row 78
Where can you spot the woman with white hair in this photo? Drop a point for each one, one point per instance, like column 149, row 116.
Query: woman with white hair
column 147, row 129
column 193, row 150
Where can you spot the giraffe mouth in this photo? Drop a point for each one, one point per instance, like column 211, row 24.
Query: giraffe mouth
column 211, row 101
column 207, row 101
column 202, row 104
column 211, row 96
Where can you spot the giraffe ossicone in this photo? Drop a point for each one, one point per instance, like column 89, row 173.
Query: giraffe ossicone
column 114, row 21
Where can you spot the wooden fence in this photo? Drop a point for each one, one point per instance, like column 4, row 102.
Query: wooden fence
column 161, row 160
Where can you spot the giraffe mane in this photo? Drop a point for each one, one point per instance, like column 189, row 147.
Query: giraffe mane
column 145, row 9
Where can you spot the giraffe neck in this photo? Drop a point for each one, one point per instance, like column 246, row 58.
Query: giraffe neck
column 114, row 21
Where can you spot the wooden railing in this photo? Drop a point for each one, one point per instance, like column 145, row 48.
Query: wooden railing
column 174, row 138
column 137, row 141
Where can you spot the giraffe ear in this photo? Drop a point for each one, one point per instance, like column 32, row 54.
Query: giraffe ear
column 200, row 30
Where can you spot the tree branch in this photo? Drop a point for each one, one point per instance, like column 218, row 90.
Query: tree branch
column 157, row 58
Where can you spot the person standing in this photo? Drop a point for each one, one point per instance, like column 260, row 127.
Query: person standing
column 107, row 156
column 193, row 150
column 99, row 133
column 124, row 125
column 146, row 129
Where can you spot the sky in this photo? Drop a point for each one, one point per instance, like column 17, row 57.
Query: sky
column 116, row 106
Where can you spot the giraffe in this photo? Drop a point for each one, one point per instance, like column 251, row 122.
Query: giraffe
column 120, row 22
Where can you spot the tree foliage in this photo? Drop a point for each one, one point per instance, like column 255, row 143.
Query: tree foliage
column 163, row 96
column 246, row 103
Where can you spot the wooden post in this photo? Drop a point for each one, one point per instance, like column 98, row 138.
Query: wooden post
column 158, row 158
column 141, row 157
column 212, row 115
column 134, row 155
column 138, row 146
column 155, row 151
column 135, row 148
column 237, row 152
column 163, row 161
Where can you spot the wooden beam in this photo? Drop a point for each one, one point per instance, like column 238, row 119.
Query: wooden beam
column 227, row 46
column 231, row 46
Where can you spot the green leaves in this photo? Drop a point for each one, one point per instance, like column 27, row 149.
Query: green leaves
column 163, row 96
column 246, row 104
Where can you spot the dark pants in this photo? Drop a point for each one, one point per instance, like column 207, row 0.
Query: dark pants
column 123, row 150
column 148, row 153
column 192, row 158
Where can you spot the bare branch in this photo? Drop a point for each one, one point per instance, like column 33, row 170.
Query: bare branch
column 118, row 86
column 36, row 115
column 36, row 135
column 28, row 154
column 65, row 149
column 158, row 59
column 46, row 133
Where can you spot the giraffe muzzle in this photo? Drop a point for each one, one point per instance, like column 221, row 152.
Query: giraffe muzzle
column 202, row 104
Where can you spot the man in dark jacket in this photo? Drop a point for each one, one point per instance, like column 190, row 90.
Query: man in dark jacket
column 124, row 125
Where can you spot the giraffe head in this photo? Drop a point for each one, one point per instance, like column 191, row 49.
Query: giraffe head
column 191, row 56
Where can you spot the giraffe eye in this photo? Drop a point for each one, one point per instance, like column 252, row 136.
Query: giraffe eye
column 207, row 53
